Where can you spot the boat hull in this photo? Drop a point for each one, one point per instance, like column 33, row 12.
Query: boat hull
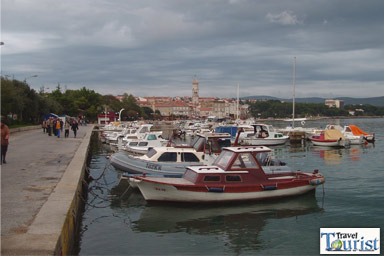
column 331, row 143
column 165, row 192
column 264, row 141
column 134, row 165
column 328, row 143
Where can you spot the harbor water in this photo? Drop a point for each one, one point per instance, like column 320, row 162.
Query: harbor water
column 120, row 222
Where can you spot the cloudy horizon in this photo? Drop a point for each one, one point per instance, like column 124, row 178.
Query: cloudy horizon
column 155, row 48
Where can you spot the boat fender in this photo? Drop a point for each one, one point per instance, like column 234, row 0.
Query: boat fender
column 269, row 187
column 215, row 189
column 317, row 181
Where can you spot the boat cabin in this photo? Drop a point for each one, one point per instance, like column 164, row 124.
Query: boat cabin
column 169, row 155
column 211, row 142
column 264, row 131
column 235, row 165
column 150, row 138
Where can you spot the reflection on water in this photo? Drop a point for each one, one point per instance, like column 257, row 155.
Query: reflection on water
column 239, row 225
column 336, row 156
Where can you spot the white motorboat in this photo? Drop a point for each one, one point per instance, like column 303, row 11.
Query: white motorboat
column 142, row 146
column 138, row 134
column 358, row 132
column 173, row 160
column 347, row 132
column 262, row 134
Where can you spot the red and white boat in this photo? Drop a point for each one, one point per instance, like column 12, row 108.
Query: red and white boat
column 236, row 175
column 330, row 138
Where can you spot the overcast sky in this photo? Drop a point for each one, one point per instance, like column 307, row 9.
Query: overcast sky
column 155, row 47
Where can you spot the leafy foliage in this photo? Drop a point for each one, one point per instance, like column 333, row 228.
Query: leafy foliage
column 277, row 109
column 24, row 104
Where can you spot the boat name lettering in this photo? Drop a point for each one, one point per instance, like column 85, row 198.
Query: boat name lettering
column 160, row 189
column 153, row 166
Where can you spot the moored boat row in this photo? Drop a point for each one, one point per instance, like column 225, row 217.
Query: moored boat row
column 195, row 173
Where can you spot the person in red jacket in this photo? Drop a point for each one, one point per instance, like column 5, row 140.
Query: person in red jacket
column 5, row 133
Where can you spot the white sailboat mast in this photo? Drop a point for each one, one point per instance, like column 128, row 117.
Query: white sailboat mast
column 294, row 92
column 237, row 104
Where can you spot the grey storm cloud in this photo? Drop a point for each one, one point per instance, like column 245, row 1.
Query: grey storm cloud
column 154, row 48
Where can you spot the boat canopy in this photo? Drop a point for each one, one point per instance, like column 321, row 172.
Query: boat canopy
column 333, row 135
column 227, row 129
column 357, row 131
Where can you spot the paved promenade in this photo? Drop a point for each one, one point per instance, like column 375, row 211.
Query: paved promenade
column 37, row 183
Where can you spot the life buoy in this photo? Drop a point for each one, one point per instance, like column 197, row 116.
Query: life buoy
column 303, row 123
column 317, row 181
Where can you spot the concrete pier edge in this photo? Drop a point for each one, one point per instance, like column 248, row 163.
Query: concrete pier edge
column 69, row 191
column 53, row 230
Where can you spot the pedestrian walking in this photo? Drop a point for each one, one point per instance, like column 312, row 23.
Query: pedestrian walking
column 44, row 125
column 58, row 128
column 5, row 133
column 49, row 126
column 61, row 124
column 67, row 125
column 54, row 126
column 75, row 127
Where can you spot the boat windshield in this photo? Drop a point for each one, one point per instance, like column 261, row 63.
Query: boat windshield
column 197, row 145
column 245, row 160
column 263, row 157
column 223, row 159
column 151, row 153
column 190, row 175
column 144, row 129
column 194, row 140
column 151, row 137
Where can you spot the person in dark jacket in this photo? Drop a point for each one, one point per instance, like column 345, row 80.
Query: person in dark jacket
column 75, row 127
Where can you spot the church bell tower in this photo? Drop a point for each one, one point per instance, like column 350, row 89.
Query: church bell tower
column 195, row 94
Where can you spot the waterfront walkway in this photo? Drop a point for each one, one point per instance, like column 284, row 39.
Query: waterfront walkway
column 38, row 184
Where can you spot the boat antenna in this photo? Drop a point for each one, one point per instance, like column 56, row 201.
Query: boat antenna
column 237, row 107
column 294, row 94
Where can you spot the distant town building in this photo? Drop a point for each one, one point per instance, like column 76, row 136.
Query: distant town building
column 107, row 118
column 334, row 103
column 195, row 106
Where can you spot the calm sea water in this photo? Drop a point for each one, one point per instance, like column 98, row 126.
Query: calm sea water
column 118, row 223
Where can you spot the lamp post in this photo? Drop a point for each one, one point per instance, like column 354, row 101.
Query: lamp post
column 121, row 110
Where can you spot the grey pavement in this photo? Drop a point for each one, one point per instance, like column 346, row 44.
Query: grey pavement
column 36, row 163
